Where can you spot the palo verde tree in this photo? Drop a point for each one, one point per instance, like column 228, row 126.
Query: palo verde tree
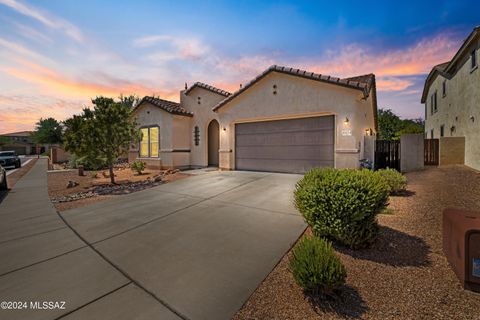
column 48, row 131
column 105, row 132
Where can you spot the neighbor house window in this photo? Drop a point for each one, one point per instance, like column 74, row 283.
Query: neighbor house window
column 444, row 88
column 433, row 103
column 149, row 146
column 473, row 59
column 431, row 134
column 442, row 130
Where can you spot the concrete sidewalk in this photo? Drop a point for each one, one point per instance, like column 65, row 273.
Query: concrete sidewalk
column 42, row 260
column 195, row 248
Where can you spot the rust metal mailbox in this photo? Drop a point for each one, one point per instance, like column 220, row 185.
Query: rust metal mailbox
column 461, row 245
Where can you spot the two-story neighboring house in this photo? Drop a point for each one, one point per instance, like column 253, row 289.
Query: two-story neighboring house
column 452, row 99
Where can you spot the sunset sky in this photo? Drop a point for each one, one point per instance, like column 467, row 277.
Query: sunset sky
column 56, row 55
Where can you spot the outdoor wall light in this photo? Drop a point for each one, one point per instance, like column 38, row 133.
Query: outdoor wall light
column 472, row 118
column 224, row 129
column 346, row 121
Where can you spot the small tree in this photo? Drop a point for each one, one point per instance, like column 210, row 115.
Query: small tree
column 104, row 132
column 48, row 131
column 4, row 141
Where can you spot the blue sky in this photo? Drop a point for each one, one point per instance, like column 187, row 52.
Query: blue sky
column 56, row 55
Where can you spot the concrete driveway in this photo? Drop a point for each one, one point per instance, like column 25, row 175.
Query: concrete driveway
column 191, row 249
column 200, row 245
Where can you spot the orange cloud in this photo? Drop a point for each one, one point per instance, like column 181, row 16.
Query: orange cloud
column 59, row 85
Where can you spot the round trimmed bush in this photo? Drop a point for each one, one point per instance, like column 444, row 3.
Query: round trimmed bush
column 315, row 266
column 395, row 181
column 342, row 204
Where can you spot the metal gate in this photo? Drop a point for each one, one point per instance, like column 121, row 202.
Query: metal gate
column 387, row 154
column 431, row 152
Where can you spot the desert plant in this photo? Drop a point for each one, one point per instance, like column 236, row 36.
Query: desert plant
column 395, row 181
column 94, row 174
column 138, row 166
column 342, row 204
column 315, row 266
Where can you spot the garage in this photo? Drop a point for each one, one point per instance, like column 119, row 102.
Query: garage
column 291, row 146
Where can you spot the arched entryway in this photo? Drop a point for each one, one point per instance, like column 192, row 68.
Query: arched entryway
column 213, row 142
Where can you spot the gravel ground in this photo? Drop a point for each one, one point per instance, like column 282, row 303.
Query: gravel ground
column 57, row 182
column 404, row 275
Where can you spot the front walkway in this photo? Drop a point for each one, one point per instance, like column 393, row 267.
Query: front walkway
column 193, row 249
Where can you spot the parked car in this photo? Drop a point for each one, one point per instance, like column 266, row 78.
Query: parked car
column 9, row 159
column 3, row 179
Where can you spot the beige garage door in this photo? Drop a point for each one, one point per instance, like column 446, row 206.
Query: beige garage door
column 293, row 145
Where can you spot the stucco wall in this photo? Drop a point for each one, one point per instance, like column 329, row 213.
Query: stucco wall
column 298, row 97
column 452, row 150
column 411, row 152
column 462, row 101
column 170, row 127
column 203, row 114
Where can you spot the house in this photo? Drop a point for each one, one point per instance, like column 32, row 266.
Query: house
column 452, row 99
column 284, row 120
column 20, row 142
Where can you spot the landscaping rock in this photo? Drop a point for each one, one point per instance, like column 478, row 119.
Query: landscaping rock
column 72, row 184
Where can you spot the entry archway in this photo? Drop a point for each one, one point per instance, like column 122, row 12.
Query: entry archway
column 213, row 142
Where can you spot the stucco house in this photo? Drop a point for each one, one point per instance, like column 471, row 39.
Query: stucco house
column 284, row 120
column 20, row 142
column 452, row 99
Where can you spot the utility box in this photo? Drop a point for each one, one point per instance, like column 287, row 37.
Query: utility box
column 461, row 245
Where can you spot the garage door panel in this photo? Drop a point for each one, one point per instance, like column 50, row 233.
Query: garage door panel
column 286, row 125
column 312, row 137
column 295, row 166
column 314, row 152
column 293, row 145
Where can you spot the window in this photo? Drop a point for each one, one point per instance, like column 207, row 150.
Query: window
column 433, row 103
column 196, row 135
column 444, row 88
column 442, row 130
column 431, row 134
column 144, row 143
column 473, row 59
column 149, row 146
column 154, row 142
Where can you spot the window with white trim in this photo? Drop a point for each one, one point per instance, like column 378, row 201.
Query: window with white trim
column 149, row 142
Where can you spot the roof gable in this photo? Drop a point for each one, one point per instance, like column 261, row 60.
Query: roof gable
column 363, row 83
column 168, row 106
column 446, row 69
column 207, row 87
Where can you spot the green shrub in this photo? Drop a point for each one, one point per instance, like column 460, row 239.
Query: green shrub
column 342, row 204
column 395, row 181
column 138, row 166
column 92, row 164
column 315, row 266
column 94, row 174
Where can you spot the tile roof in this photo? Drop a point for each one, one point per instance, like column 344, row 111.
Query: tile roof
column 169, row 106
column 362, row 83
column 207, row 87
